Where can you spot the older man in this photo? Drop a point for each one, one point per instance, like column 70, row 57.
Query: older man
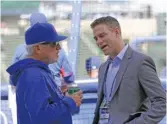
column 56, row 67
column 39, row 100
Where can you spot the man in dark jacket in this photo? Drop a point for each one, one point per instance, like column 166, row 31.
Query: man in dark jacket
column 39, row 100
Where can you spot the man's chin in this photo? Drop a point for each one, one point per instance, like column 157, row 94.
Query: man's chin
column 105, row 53
column 53, row 61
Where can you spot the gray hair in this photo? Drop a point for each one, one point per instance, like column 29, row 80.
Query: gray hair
column 30, row 49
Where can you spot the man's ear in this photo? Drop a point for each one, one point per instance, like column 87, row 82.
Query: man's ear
column 37, row 49
column 118, row 32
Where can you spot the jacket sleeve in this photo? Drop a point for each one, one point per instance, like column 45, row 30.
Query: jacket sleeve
column 152, row 86
column 41, row 106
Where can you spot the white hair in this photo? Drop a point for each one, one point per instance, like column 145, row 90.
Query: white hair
column 30, row 49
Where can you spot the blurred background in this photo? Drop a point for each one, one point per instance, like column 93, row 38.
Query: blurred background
column 143, row 25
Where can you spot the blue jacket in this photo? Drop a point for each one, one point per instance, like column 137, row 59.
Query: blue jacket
column 39, row 100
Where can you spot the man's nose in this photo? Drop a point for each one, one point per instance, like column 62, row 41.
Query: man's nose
column 99, row 41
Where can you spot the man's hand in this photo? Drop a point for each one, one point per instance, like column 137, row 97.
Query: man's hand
column 64, row 88
column 77, row 97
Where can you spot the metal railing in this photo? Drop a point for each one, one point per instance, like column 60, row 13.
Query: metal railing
column 5, row 120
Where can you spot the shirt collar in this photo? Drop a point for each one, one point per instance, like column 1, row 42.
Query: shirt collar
column 120, row 55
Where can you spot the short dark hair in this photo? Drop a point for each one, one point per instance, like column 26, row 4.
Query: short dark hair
column 108, row 20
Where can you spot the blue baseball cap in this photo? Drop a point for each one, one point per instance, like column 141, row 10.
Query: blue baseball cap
column 37, row 17
column 42, row 32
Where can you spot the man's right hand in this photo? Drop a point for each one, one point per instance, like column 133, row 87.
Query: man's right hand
column 77, row 97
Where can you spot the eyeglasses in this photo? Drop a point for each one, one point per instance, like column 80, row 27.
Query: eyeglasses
column 52, row 44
